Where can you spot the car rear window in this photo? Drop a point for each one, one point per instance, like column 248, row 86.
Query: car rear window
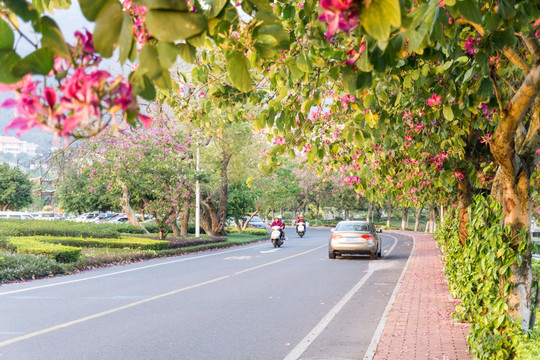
column 352, row 227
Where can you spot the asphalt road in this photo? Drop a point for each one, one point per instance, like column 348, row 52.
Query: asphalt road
column 249, row 302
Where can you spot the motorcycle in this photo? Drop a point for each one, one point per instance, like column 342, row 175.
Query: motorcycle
column 301, row 229
column 277, row 236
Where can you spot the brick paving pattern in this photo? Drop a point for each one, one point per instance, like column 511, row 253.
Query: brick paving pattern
column 420, row 325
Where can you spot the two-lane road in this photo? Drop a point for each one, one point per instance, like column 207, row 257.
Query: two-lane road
column 249, row 302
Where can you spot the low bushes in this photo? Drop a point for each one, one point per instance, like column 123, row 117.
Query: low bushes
column 17, row 267
column 251, row 231
column 57, row 228
column 140, row 243
column 61, row 253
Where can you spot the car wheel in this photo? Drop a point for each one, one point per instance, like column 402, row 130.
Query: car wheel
column 331, row 254
column 373, row 256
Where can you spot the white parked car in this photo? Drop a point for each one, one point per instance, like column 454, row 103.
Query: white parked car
column 15, row 215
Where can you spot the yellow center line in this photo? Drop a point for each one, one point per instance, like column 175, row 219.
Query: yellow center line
column 136, row 303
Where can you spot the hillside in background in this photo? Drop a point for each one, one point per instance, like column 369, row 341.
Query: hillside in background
column 42, row 138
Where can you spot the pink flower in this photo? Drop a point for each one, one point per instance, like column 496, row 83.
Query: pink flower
column 355, row 55
column 279, row 141
column 459, row 175
column 342, row 14
column 434, row 100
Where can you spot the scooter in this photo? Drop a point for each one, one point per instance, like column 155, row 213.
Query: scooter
column 301, row 229
column 277, row 236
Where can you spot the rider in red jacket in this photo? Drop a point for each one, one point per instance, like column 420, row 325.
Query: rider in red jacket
column 277, row 222
column 300, row 220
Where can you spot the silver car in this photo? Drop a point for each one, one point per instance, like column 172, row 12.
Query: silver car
column 355, row 237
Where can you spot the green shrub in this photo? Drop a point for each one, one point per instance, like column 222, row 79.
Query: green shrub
column 61, row 253
column 57, row 228
column 20, row 267
column 251, row 231
column 478, row 275
column 139, row 243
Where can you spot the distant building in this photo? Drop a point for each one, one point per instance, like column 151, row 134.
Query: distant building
column 12, row 145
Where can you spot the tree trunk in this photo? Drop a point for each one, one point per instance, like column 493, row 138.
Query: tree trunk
column 239, row 226
column 175, row 229
column 218, row 222
column 404, row 218
column 514, row 152
column 464, row 188
column 389, row 214
column 417, row 218
column 184, row 219
column 368, row 215
column 126, row 207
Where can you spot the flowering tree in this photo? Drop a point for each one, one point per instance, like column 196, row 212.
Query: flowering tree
column 153, row 166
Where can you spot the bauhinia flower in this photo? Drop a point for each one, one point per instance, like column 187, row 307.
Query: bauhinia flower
column 279, row 141
column 434, row 100
column 339, row 14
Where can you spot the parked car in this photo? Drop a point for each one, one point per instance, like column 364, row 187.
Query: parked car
column 104, row 217
column 255, row 223
column 122, row 219
column 355, row 237
column 15, row 215
column 86, row 217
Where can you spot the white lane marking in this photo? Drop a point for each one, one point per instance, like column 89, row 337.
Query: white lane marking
column 325, row 321
column 370, row 352
column 127, row 270
column 106, row 312
column 127, row 306
column 238, row 257
column 268, row 251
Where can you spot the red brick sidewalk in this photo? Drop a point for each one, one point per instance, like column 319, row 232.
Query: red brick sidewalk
column 419, row 325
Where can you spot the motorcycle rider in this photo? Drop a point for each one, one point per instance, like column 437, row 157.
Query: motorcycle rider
column 300, row 220
column 277, row 222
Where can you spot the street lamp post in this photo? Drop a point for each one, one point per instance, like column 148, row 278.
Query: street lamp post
column 197, row 201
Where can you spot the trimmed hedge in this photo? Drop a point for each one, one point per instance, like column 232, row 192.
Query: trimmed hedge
column 250, row 231
column 138, row 243
column 57, row 228
column 61, row 253
column 17, row 267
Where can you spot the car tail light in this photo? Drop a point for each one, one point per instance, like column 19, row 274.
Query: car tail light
column 368, row 237
column 336, row 236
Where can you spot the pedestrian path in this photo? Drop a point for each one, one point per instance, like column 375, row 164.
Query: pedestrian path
column 419, row 325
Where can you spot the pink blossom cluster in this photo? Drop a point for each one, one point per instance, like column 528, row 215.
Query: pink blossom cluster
column 438, row 160
column 81, row 98
column 339, row 14
column 471, row 45
column 138, row 14
column 434, row 100
column 352, row 180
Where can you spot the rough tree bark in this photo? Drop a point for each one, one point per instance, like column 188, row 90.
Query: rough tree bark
column 417, row 218
column 513, row 148
column 126, row 207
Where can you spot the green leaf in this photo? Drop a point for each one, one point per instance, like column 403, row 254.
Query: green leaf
column 238, row 71
column 216, row 6
column 261, row 4
column 506, row 9
column 40, row 61
column 22, row 9
column 470, row 11
column 174, row 25
column 7, row 38
column 349, row 80
column 448, row 113
column 149, row 62
column 179, row 5
column 7, row 60
column 187, row 53
column 108, row 26
column 143, row 86
column 91, row 8
column 304, row 63
column 127, row 40
column 379, row 17
column 168, row 53
column 53, row 38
